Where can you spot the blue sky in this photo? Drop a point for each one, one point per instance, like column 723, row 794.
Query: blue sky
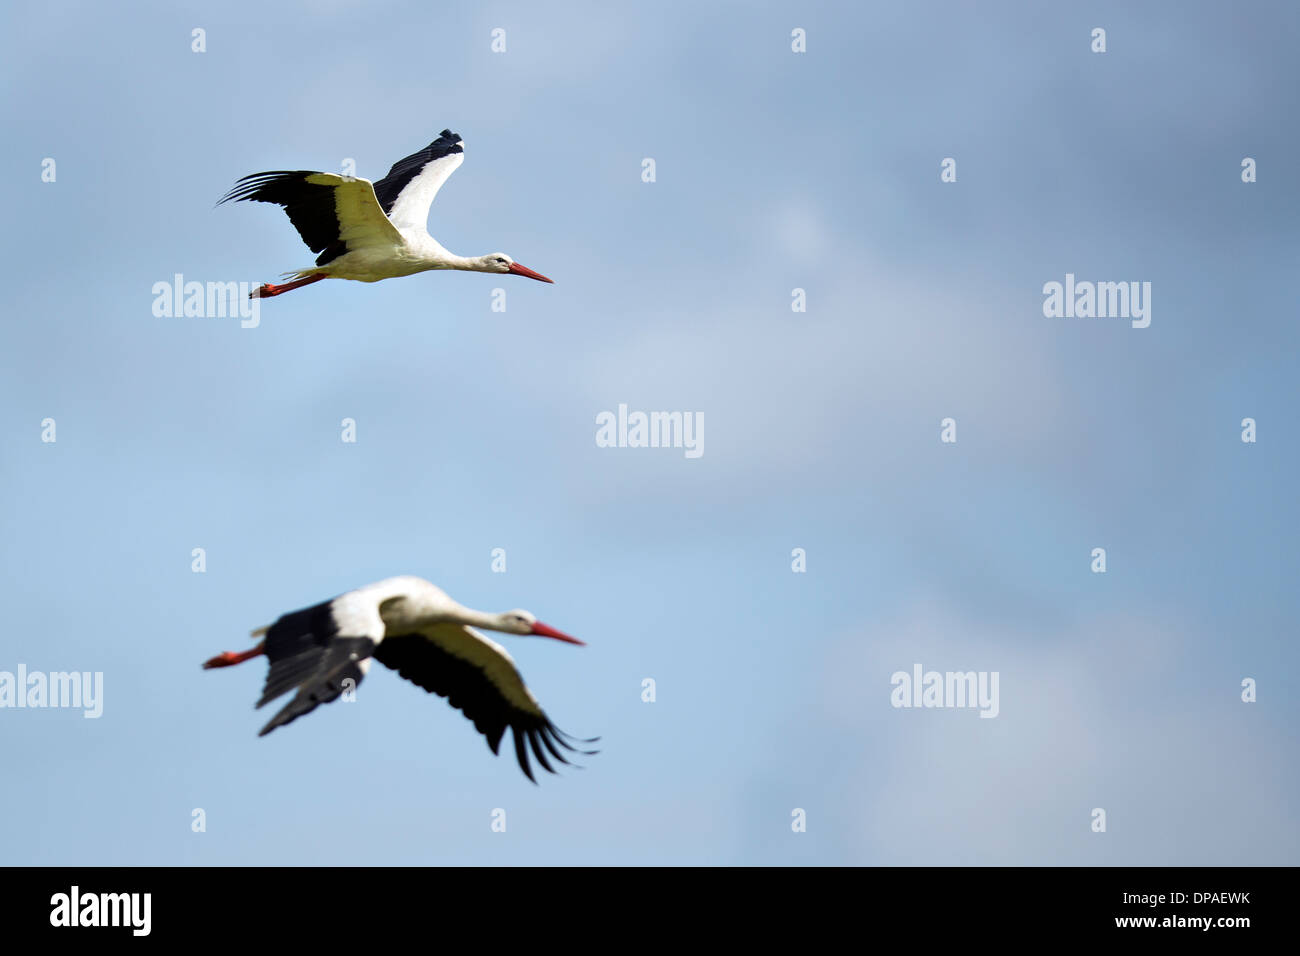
column 774, row 171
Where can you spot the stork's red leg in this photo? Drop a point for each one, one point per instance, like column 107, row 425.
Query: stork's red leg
column 266, row 290
column 230, row 658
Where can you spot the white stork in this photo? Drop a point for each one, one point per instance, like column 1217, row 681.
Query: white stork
column 413, row 627
column 369, row 231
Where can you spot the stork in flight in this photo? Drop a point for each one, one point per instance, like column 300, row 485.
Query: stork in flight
column 369, row 231
column 413, row 627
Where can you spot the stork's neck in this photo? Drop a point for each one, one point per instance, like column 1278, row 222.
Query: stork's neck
column 431, row 252
column 483, row 619
column 453, row 261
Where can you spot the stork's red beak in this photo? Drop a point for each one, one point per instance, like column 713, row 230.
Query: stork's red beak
column 547, row 631
column 517, row 269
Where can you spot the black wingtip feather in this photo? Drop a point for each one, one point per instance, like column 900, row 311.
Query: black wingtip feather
column 538, row 752
column 546, row 739
column 246, row 187
column 521, row 753
column 564, row 739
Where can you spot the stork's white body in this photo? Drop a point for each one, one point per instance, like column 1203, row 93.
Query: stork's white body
column 416, row 252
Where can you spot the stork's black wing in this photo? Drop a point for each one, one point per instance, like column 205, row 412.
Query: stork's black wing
column 478, row 677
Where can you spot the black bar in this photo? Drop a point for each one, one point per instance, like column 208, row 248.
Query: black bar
column 267, row 905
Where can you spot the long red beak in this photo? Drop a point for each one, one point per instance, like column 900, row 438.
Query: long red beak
column 547, row 631
column 517, row 269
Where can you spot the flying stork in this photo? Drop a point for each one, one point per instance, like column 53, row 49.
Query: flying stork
column 369, row 231
column 410, row 625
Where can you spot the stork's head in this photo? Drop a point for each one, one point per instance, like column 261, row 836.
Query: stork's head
column 500, row 262
column 522, row 622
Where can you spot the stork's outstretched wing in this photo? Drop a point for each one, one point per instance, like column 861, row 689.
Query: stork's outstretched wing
column 407, row 192
column 477, row 676
column 317, row 650
column 333, row 214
